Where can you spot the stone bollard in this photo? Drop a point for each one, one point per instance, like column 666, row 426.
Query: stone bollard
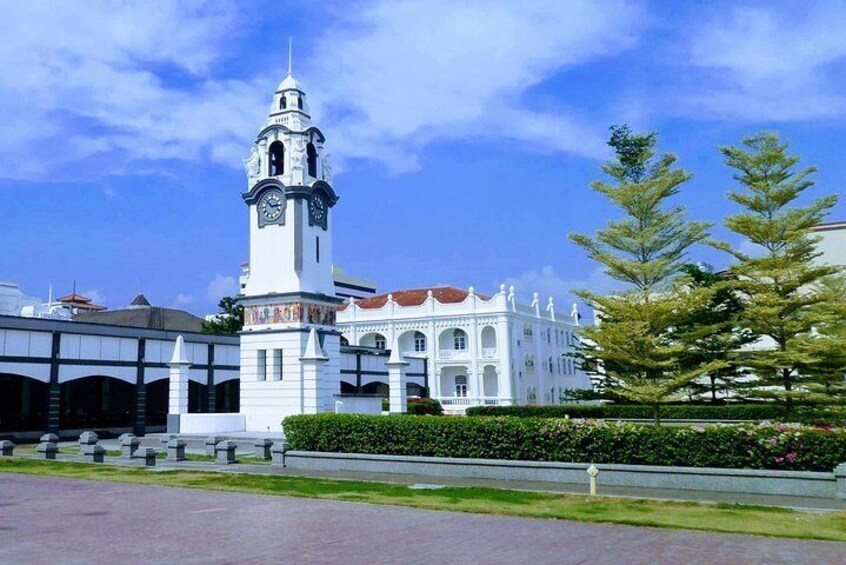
column 88, row 438
column 46, row 450
column 840, row 475
column 225, row 452
column 148, row 454
column 7, row 448
column 176, row 449
column 166, row 438
column 92, row 453
column 49, row 438
column 211, row 442
column 128, row 446
column 592, row 472
column 263, row 448
column 278, row 451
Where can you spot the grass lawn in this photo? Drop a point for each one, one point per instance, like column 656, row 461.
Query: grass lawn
column 741, row 519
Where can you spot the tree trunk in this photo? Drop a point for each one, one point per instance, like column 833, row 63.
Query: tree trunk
column 788, row 386
column 713, row 389
column 656, row 414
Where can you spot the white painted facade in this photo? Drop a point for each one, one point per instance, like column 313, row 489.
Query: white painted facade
column 290, row 350
column 480, row 352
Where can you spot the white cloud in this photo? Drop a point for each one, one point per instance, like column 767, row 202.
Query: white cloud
column 547, row 282
column 77, row 81
column 183, row 299
column 221, row 286
column 770, row 64
column 95, row 296
column 395, row 76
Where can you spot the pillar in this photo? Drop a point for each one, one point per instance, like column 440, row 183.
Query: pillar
column 397, row 367
column 312, row 362
column 178, row 394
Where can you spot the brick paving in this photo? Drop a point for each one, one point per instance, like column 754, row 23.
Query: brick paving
column 52, row 520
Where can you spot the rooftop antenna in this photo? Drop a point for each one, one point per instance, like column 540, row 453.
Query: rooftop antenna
column 290, row 55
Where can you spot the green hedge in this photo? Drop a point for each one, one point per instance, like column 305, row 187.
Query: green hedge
column 418, row 407
column 753, row 412
column 774, row 446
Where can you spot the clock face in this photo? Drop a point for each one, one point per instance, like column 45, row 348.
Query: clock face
column 318, row 208
column 271, row 207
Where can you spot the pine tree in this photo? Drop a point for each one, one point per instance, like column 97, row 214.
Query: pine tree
column 636, row 343
column 789, row 296
column 711, row 334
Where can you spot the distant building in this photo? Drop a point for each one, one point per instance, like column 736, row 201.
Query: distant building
column 480, row 350
column 141, row 314
column 833, row 244
column 13, row 300
column 77, row 303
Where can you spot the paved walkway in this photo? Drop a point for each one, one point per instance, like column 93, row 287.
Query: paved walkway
column 250, row 465
column 51, row 520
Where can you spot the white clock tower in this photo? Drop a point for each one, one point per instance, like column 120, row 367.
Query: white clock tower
column 290, row 348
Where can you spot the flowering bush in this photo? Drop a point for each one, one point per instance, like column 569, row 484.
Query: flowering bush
column 752, row 412
column 764, row 446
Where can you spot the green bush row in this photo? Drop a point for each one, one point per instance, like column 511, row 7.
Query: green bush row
column 753, row 412
column 747, row 446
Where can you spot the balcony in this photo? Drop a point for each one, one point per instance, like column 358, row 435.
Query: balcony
column 488, row 352
column 448, row 354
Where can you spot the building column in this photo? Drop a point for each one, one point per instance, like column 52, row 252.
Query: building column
column 397, row 366
column 178, row 397
column 140, row 424
column 312, row 363
column 212, row 396
column 54, row 395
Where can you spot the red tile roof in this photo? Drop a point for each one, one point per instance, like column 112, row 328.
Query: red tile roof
column 417, row 296
column 80, row 302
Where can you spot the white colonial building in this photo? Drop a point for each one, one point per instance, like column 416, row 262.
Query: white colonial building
column 480, row 350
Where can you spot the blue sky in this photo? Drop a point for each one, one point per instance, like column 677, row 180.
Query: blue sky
column 464, row 134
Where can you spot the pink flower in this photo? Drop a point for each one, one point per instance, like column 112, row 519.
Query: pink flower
column 772, row 441
column 779, row 459
column 791, row 457
column 698, row 429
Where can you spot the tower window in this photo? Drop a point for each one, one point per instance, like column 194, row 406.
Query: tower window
column 317, row 248
column 276, row 159
column 283, row 102
column 300, row 102
column 311, row 152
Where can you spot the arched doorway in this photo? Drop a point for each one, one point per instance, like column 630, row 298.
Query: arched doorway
column 96, row 402
column 23, row 403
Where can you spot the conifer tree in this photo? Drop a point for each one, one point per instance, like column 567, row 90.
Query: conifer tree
column 636, row 344
column 790, row 297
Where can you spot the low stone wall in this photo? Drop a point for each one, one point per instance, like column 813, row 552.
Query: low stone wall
column 751, row 481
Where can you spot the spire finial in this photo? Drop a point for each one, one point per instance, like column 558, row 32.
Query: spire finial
column 290, row 55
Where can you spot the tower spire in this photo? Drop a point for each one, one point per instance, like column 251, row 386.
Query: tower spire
column 290, row 55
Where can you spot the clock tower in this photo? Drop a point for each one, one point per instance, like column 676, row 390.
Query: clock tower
column 290, row 348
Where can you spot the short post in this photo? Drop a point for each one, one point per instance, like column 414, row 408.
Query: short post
column 49, row 438
column 88, row 438
column 7, row 448
column 225, row 452
column 397, row 367
column 92, row 453
column 263, row 448
column 592, row 472
column 166, row 439
column 46, row 450
column 339, row 407
column 840, row 475
column 278, row 451
column 212, row 441
column 176, row 449
column 148, row 454
column 128, row 445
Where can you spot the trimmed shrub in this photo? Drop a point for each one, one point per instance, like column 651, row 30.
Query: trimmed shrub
column 752, row 412
column 418, row 407
column 771, row 446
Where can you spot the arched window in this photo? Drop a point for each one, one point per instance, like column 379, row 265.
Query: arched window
column 380, row 342
column 549, row 364
column 419, row 342
column 300, row 102
column 459, row 339
column 312, row 160
column 283, row 102
column 276, row 159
